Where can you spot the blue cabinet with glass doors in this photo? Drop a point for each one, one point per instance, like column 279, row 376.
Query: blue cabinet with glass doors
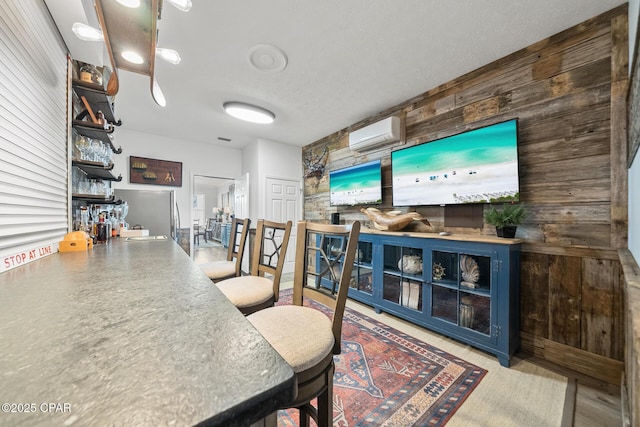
column 225, row 233
column 465, row 288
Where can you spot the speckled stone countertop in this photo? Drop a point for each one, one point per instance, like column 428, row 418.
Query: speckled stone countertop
column 130, row 334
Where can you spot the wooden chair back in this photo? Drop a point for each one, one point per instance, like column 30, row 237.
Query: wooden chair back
column 270, row 250
column 208, row 229
column 324, row 261
column 237, row 241
column 196, row 231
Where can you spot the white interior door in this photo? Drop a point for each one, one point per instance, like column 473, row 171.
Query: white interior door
column 283, row 203
column 241, row 197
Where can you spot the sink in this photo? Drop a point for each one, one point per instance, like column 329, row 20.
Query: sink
column 145, row 238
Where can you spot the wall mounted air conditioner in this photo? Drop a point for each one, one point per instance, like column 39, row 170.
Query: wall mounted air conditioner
column 384, row 131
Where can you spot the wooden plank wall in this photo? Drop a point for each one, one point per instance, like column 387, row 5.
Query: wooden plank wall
column 568, row 92
column 631, row 391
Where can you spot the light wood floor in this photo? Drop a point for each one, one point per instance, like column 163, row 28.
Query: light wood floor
column 588, row 402
column 209, row 251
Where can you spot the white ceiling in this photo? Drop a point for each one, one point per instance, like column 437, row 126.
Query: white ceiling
column 347, row 60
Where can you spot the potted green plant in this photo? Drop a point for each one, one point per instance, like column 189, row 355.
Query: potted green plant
column 507, row 219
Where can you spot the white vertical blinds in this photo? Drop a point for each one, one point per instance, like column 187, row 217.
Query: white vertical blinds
column 34, row 197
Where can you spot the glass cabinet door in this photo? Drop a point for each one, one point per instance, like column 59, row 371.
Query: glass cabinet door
column 461, row 290
column 402, row 281
column 362, row 274
column 475, row 312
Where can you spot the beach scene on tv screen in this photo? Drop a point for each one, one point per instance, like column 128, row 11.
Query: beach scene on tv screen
column 357, row 185
column 478, row 166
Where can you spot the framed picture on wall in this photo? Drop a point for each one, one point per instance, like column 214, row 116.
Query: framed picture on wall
column 143, row 170
column 633, row 103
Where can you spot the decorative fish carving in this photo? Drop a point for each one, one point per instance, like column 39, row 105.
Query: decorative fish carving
column 392, row 220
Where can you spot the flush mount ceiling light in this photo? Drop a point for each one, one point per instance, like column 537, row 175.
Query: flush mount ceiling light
column 132, row 57
column 248, row 112
column 183, row 5
column 87, row 33
column 168, row 55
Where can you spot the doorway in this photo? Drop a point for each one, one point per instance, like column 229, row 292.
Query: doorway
column 212, row 206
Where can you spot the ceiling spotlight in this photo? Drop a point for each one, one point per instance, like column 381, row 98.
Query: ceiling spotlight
column 248, row 112
column 87, row 33
column 130, row 3
column 183, row 5
column 132, row 57
column 168, row 55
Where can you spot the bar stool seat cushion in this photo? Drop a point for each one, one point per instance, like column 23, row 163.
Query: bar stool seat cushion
column 218, row 269
column 302, row 335
column 246, row 291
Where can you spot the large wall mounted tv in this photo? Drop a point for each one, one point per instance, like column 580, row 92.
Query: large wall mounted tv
column 356, row 185
column 477, row 166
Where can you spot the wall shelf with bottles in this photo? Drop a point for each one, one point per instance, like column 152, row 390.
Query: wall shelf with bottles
column 96, row 170
column 97, row 98
column 93, row 150
column 96, row 131
column 94, row 108
column 465, row 288
column 91, row 198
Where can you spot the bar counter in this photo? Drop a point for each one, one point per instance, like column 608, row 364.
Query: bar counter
column 130, row 333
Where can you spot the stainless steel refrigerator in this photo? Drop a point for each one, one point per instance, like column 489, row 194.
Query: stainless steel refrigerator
column 155, row 211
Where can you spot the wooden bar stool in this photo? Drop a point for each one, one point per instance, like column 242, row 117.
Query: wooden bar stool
column 231, row 267
column 257, row 291
column 305, row 337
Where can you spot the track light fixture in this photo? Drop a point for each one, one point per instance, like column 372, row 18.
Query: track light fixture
column 132, row 57
column 158, row 95
column 87, row 33
column 133, row 4
column 183, row 5
column 121, row 42
column 169, row 55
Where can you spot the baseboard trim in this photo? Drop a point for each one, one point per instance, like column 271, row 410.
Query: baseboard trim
column 590, row 364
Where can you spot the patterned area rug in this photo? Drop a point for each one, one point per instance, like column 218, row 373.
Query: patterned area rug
column 386, row 378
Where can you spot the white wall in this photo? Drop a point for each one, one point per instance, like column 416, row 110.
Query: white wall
column 634, row 171
column 263, row 159
column 197, row 158
column 251, row 165
column 280, row 161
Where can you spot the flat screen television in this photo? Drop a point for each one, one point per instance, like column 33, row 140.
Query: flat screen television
column 476, row 166
column 356, row 185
